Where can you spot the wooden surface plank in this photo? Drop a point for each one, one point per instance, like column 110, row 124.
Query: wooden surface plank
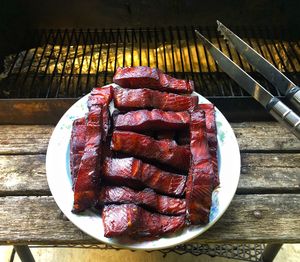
column 260, row 173
column 269, row 173
column 264, row 136
column 20, row 139
column 249, row 218
column 252, row 136
column 23, row 175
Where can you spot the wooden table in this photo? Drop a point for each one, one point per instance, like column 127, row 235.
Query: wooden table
column 265, row 209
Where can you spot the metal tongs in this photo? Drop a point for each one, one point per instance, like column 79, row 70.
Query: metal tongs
column 277, row 109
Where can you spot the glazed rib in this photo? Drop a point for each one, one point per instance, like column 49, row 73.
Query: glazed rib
column 211, row 130
column 183, row 137
column 132, row 220
column 88, row 179
column 102, row 96
column 134, row 173
column 145, row 120
column 129, row 99
column 77, row 146
column 153, row 78
column 199, row 183
column 165, row 134
column 148, row 198
column 162, row 151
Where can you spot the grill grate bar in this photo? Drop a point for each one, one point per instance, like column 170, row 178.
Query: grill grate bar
column 198, row 60
column 180, row 51
column 77, row 39
column 164, row 49
column 64, row 65
column 172, row 48
column 32, row 59
column 68, row 63
column 99, row 56
column 189, row 52
column 56, row 64
column 91, row 58
column 78, row 85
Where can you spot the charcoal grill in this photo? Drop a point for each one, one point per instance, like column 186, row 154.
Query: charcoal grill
column 69, row 63
column 45, row 68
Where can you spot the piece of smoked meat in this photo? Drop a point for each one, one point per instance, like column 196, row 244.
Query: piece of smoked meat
column 134, row 173
column 211, row 130
column 88, row 178
column 152, row 78
column 148, row 198
column 162, row 151
column 132, row 220
column 156, row 119
column 77, row 143
column 132, row 99
column 199, row 182
column 102, row 96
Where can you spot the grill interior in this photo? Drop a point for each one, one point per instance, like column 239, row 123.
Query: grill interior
column 68, row 63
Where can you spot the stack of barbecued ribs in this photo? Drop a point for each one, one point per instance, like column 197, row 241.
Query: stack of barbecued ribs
column 152, row 166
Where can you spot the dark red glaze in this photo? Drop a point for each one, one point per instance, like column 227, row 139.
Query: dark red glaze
column 148, row 198
column 88, row 178
column 184, row 137
column 134, row 173
column 165, row 134
column 156, row 119
column 129, row 99
column 132, row 220
column 77, row 146
column 211, row 130
column 162, row 151
column 120, row 220
column 199, row 183
column 153, row 78
column 102, row 96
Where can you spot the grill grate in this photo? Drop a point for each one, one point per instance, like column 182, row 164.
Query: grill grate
column 68, row 63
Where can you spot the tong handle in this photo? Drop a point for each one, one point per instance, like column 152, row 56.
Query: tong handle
column 285, row 116
column 294, row 96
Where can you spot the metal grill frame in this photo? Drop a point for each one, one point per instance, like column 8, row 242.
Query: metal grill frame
column 212, row 83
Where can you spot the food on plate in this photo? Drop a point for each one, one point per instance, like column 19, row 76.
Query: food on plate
column 102, row 96
column 132, row 220
column 77, row 143
column 199, row 184
column 134, row 173
column 134, row 163
column 88, row 178
column 183, row 137
column 165, row 134
column 86, row 187
column 211, row 132
column 156, row 119
column 152, row 78
column 162, row 151
column 132, row 99
column 147, row 198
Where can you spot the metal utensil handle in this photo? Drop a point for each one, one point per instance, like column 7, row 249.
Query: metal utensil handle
column 285, row 116
column 294, row 96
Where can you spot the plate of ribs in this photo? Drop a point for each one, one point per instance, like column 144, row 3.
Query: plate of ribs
column 143, row 163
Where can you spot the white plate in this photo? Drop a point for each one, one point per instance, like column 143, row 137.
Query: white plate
column 59, row 180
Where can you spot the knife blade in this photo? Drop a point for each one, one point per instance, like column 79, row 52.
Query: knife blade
column 263, row 66
column 278, row 110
